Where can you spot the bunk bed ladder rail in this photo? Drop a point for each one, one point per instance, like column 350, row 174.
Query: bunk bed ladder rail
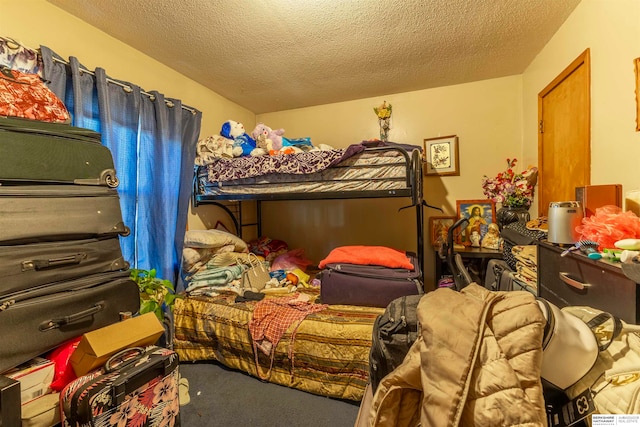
column 415, row 176
column 414, row 182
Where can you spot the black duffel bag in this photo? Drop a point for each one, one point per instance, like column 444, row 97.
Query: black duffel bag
column 394, row 331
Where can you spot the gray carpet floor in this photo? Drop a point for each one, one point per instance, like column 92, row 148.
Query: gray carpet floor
column 225, row 397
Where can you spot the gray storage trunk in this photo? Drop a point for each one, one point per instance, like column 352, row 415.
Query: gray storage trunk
column 31, row 265
column 36, row 213
column 37, row 320
column 34, row 151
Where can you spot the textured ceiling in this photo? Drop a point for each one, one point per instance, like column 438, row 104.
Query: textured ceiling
column 273, row 55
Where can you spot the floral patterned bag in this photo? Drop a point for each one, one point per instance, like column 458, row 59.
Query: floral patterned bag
column 136, row 387
column 26, row 96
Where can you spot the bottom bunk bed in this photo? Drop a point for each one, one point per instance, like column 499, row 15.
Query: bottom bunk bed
column 327, row 353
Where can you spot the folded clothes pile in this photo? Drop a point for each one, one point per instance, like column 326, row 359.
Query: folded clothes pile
column 526, row 264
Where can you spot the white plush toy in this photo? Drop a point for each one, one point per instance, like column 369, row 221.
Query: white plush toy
column 243, row 144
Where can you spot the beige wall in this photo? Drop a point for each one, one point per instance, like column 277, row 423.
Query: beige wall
column 611, row 30
column 485, row 115
column 36, row 22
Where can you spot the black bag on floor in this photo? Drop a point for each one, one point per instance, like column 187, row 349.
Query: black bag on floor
column 37, row 320
column 394, row 332
column 42, row 152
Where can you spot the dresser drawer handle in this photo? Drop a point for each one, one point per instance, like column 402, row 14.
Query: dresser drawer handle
column 566, row 278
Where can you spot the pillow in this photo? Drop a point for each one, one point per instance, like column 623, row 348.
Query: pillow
column 190, row 256
column 368, row 255
column 225, row 259
column 213, row 239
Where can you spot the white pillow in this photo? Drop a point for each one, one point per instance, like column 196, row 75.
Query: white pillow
column 213, row 239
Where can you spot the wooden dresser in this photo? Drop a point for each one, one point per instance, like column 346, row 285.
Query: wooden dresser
column 577, row 280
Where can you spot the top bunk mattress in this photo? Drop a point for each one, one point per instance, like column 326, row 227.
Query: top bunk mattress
column 382, row 171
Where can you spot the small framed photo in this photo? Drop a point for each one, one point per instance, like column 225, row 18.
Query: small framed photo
column 480, row 214
column 438, row 229
column 441, row 156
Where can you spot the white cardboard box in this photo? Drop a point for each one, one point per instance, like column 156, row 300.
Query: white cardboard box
column 35, row 378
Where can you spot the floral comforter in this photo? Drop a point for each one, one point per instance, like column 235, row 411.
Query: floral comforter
column 227, row 169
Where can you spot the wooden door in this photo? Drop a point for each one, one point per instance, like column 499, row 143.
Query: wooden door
column 564, row 134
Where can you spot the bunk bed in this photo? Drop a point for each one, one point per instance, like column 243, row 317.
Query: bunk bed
column 331, row 347
column 365, row 170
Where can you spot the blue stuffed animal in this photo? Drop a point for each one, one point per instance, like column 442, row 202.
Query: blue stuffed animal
column 241, row 140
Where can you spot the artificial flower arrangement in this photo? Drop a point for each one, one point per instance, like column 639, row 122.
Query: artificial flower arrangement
column 384, row 119
column 383, row 111
column 511, row 189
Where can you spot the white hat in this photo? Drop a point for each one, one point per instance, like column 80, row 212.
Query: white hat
column 569, row 347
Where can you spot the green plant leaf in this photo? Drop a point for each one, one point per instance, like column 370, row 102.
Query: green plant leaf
column 167, row 284
column 147, row 306
column 155, row 293
column 169, row 299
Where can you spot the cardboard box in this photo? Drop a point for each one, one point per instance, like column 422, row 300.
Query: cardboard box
column 42, row 412
column 96, row 347
column 35, row 377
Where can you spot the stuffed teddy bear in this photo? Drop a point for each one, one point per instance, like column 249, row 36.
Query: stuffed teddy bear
column 241, row 140
column 274, row 135
column 263, row 143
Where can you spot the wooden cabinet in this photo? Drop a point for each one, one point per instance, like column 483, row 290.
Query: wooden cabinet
column 577, row 280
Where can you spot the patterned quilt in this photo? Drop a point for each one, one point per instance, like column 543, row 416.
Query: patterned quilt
column 329, row 356
column 227, row 169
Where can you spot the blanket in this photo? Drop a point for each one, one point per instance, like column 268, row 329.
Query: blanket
column 331, row 347
column 226, row 169
column 272, row 317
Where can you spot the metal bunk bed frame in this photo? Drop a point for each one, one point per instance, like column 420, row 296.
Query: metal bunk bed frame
column 412, row 190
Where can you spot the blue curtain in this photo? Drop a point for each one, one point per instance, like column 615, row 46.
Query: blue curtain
column 152, row 140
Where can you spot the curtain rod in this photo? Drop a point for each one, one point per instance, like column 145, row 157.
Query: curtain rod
column 126, row 88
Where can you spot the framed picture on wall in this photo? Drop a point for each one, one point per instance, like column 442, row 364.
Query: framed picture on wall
column 438, row 229
column 441, row 156
column 480, row 214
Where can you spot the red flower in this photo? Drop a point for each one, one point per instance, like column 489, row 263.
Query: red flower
column 510, row 188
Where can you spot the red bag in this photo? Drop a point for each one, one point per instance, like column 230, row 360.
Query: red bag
column 25, row 95
column 61, row 356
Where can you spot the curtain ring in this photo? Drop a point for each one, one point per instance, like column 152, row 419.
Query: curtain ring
column 127, row 88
